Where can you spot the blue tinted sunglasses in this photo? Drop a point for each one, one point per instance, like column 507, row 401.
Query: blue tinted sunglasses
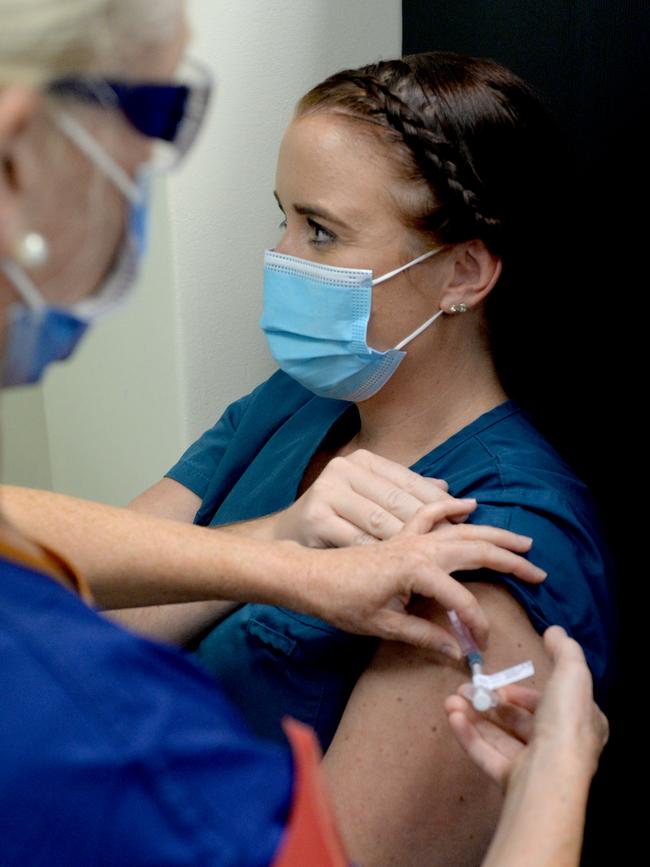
column 171, row 112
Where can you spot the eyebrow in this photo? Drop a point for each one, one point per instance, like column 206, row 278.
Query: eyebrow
column 311, row 211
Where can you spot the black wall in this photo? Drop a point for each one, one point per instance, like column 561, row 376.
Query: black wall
column 589, row 58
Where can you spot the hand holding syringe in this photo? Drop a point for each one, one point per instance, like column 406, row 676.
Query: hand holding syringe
column 481, row 692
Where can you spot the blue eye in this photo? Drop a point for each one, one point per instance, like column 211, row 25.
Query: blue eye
column 322, row 235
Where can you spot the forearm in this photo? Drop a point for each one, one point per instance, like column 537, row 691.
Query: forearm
column 131, row 559
column 542, row 820
column 177, row 624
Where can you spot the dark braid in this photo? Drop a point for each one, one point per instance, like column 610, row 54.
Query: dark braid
column 438, row 159
column 469, row 128
column 441, row 159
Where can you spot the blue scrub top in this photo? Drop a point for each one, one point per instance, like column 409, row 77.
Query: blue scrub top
column 271, row 661
column 115, row 750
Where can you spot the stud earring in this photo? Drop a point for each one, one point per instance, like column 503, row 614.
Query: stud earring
column 31, row 250
column 458, row 308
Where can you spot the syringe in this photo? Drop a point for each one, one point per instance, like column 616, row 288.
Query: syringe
column 468, row 646
column 482, row 698
column 482, row 690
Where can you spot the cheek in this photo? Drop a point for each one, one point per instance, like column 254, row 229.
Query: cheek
column 384, row 311
column 396, row 311
column 84, row 231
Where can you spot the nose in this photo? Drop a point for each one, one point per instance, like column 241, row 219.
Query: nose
column 283, row 245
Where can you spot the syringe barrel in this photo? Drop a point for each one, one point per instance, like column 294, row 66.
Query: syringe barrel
column 467, row 644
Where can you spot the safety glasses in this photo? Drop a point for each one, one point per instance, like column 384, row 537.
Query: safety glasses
column 169, row 112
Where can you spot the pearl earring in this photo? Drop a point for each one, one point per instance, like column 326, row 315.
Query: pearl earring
column 458, row 308
column 31, row 250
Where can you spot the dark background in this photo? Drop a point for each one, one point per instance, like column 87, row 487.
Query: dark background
column 588, row 58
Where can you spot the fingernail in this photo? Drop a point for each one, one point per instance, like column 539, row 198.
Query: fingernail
column 469, row 500
column 452, row 652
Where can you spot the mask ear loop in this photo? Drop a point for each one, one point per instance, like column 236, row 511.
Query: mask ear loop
column 97, row 155
column 419, row 330
column 23, row 284
column 399, row 270
column 408, row 265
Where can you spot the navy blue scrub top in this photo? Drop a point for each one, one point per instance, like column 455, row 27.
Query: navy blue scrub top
column 118, row 751
column 271, row 661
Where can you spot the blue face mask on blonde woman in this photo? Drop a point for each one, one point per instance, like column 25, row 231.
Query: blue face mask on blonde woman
column 37, row 332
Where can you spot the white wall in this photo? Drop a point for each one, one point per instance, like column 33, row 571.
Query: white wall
column 113, row 411
column 147, row 383
column 25, row 446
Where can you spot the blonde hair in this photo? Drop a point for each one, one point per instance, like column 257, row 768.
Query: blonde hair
column 40, row 39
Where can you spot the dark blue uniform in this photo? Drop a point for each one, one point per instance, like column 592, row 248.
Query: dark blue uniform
column 118, row 751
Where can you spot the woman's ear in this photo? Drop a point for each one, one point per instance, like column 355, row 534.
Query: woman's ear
column 475, row 271
column 17, row 108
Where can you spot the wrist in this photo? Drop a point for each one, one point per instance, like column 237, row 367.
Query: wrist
column 300, row 578
column 271, row 572
column 571, row 757
column 545, row 770
column 543, row 811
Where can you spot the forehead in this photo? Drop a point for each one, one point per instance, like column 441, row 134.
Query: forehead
column 153, row 58
column 332, row 158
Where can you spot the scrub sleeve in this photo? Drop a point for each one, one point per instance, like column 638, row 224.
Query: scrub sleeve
column 116, row 750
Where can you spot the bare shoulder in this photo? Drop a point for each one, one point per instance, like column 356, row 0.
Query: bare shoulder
column 404, row 790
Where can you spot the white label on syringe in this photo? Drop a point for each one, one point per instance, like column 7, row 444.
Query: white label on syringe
column 505, row 677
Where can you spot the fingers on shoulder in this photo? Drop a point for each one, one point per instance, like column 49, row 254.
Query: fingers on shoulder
column 421, row 487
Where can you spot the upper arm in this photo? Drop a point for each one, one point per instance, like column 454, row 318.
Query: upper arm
column 179, row 496
column 180, row 622
column 404, row 790
column 198, row 464
column 167, row 499
column 180, row 493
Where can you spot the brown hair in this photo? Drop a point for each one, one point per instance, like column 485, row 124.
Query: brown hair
column 470, row 129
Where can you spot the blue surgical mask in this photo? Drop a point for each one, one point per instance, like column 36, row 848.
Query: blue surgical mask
column 316, row 319
column 38, row 333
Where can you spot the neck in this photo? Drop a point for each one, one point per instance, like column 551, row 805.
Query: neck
column 11, row 537
column 429, row 398
column 14, row 538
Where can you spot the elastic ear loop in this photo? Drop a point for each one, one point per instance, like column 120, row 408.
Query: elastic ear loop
column 394, row 273
column 21, row 281
column 408, row 265
column 97, row 155
column 419, row 330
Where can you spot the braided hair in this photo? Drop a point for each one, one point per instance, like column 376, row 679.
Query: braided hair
column 486, row 161
column 472, row 131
